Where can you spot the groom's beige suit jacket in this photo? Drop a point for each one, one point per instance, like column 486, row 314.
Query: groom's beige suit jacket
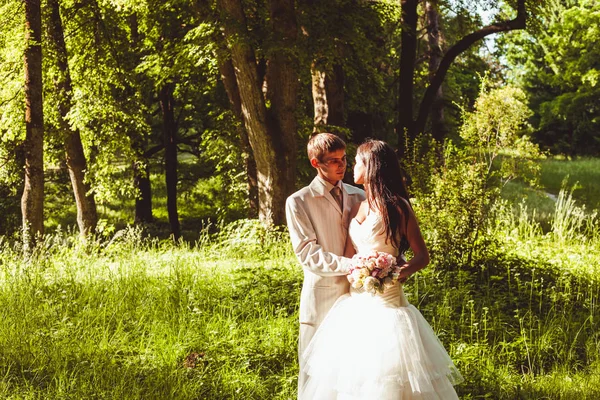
column 318, row 231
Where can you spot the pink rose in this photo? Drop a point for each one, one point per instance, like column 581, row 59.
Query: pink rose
column 382, row 261
column 384, row 272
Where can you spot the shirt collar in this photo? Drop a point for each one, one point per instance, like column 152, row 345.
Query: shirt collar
column 329, row 186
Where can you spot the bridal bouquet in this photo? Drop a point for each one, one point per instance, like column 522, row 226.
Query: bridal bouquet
column 373, row 272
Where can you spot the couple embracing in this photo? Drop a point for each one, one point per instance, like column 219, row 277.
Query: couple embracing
column 356, row 343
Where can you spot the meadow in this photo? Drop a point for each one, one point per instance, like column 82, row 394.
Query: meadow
column 131, row 317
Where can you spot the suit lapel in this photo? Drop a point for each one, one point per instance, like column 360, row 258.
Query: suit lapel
column 346, row 201
column 347, row 206
column 320, row 190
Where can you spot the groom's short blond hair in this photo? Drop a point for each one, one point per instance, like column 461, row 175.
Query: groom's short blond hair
column 322, row 143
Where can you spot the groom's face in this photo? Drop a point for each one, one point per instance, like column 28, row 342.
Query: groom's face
column 332, row 166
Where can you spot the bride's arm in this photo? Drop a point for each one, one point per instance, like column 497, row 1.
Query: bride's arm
column 417, row 245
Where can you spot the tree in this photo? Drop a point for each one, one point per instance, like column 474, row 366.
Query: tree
column 170, row 144
column 328, row 96
column 460, row 188
column 408, row 56
column 75, row 157
column 406, row 123
column 32, row 201
column 345, row 45
column 438, row 129
column 558, row 68
column 154, row 96
column 109, row 104
column 140, row 164
column 227, row 72
column 271, row 129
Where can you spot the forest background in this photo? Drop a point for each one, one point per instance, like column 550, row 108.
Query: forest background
column 147, row 149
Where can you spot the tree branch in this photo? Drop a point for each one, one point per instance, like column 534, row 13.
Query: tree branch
column 153, row 150
column 461, row 46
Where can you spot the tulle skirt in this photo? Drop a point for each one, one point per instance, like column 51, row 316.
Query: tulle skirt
column 377, row 347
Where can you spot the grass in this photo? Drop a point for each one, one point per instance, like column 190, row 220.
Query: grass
column 580, row 177
column 121, row 319
column 215, row 317
column 133, row 318
column 583, row 173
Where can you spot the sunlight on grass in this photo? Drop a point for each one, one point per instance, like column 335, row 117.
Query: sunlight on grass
column 133, row 318
column 215, row 316
column 121, row 320
column 584, row 171
column 516, row 192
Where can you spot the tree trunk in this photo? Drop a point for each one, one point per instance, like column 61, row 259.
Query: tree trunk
column 319, row 94
column 75, row 157
column 87, row 216
column 438, row 128
column 140, row 165
column 408, row 56
column 334, row 84
column 143, row 201
column 32, row 201
column 228, row 76
column 328, row 97
column 271, row 134
column 170, row 144
column 462, row 45
column 282, row 89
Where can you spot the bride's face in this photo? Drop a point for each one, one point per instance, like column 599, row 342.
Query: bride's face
column 359, row 171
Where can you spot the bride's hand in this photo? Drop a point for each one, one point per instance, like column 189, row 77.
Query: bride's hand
column 404, row 274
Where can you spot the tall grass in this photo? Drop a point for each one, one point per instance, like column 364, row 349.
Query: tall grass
column 571, row 222
column 135, row 318
column 585, row 172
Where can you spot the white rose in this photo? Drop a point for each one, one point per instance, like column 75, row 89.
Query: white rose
column 370, row 284
column 357, row 284
column 356, row 274
column 364, row 272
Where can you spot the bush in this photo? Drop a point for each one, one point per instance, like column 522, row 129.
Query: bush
column 457, row 187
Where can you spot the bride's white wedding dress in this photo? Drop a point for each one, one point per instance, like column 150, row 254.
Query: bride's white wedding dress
column 376, row 347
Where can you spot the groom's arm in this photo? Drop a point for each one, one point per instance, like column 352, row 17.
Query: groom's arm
column 304, row 241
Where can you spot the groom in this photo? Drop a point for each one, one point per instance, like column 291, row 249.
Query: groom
column 318, row 216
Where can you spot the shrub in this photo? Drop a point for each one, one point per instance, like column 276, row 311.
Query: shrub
column 457, row 187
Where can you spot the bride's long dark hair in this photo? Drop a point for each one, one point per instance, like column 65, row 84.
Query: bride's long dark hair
column 385, row 190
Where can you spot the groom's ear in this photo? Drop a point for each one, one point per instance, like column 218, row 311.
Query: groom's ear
column 314, row 162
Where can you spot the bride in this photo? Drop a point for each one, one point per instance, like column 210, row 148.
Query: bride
column 379, row 346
